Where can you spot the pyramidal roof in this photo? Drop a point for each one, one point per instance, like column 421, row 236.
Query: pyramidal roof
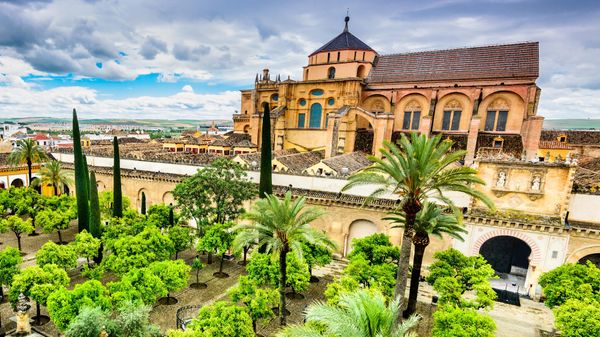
column 344, row 41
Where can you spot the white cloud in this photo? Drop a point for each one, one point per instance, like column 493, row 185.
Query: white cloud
column 58, row 102
column 187, row 88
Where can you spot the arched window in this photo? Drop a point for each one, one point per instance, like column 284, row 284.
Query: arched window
column 338, row 57
column 451, row 117
column 316, row 112
column 331, row 73
column 301, row 120
column 360, row 72
column 412, row 116
column 497, row 115
column 328, row 57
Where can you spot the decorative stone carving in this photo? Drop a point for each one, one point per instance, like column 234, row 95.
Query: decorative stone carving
column 453, row 105
column 535, row 183
column 499, row 104
column 501, row 182
column 23, row 326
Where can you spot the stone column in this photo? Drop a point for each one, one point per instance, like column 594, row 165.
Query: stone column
column 472, row 140
column 379, row 131
column 331, row 142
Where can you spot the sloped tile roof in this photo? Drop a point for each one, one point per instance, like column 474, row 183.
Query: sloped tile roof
column 574, row 137
column 354, row 161
column 554, row 145
column 297, row 163
column 518, row 60
column 344, row 41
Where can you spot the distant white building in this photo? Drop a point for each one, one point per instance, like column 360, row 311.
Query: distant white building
column 7, row 130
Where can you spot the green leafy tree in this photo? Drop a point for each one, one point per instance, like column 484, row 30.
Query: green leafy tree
column 117, row 192
column 358, row 314
column 38, row 283
column 197, row 267
column 315, row 256
column 571, row 281
column 91, row 322
column 222, row 319
column 173, row 274
column 578, row 318
column 416, row 170
column 376, row 276
column 218, row 238
column 266, row 173
column 160, row 216
column 452, row 274
column 63, row 256
column 451, row 321
column 258, row 301
column 51, row 221
column 281, row 225
column 214, row 194
column 429, row 221
column 53, row 174
column 18, row 226
column 65, row 305
column 10, row 259
column 139, row 251
column 81, row 185
column 180, row 237
column 27, row 152
column 342, row 285
column 139, row 284
column 106, row 204
column 262, row 270
column 85, row 245
column 298, row 276
column 376, row 248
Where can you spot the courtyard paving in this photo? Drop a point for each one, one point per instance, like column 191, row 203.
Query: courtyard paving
column 523, row 321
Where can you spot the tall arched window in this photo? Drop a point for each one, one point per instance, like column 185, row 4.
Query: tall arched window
column 316, row 112
column 497, row 115
column 451, row 117
column 328, row 57
column 412, row 116
column 331, row 73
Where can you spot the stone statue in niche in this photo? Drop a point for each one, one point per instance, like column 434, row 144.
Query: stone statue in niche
column 535, row 183
column 501, row 179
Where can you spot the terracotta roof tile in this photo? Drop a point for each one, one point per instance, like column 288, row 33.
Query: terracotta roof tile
column 519, row 60
column 554, row 145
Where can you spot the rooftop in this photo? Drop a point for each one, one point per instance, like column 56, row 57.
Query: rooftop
column 344, row 41
column 518, row 60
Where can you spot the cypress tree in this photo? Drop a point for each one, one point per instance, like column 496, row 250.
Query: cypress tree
column 80, row 180
column 171, row 215
column 117, row 193
column 86, row 173
column 266, row 180
column 94, row 207
column 143, row 208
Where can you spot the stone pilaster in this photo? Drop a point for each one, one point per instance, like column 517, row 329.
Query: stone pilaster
column 472, row 140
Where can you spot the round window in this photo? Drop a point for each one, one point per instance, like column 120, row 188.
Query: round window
column 330, row 101
column 302, row 102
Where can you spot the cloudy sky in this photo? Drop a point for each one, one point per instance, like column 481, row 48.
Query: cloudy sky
column 188, row 58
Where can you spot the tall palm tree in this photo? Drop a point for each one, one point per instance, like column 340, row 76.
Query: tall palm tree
column 417, row 169
column 281, row 226
column 53, row 174
column 363, row 313
column 27, row 152
column 430, row 220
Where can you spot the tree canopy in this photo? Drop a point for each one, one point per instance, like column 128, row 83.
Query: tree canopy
column 63, row 256
column 64, row 305
column 38, row 283
column 214, row 194
column 222, row 319
column 452, row 321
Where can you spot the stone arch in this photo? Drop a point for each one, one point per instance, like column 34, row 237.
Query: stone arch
column 2, row 185
column 536, row 253
column 101, row 185
column 504, row 100
column 17, row 182
column 377, row 104
column 412, row 102
column 579, row 254
column 358, row 229
column 247, row 128
column 361, row 71
column 451, row 101
column 168, row 198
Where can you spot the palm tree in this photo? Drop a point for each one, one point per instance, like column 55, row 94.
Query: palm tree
column 27, row 152
column 281, row 226
column 363, row 313
column 416, row 170
column 53, row 174
column 430, row 220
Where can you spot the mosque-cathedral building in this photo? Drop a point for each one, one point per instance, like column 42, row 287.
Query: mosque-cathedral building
column 351, row 98
column 545, row 184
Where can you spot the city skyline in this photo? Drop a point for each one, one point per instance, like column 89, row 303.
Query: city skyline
column 120, row 59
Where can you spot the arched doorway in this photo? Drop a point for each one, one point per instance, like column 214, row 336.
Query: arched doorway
column 358, row 229
column 594, row 258
column 2, row 186
column 507, row 255
column 364, row 135
column 17, row 183
column 37, row 184
column 66, row 189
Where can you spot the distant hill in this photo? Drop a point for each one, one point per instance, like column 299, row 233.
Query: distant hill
column 570, row 124
column 164, row 123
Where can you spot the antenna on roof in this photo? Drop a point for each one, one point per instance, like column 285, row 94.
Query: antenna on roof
column 346, row 19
